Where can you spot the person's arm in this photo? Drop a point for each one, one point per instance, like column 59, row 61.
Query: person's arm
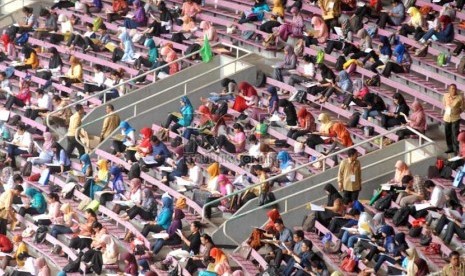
column 104, row 128
column 62, row 160
column 340, row 177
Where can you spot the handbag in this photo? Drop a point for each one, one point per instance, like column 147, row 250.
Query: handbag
column 426, row 239
column 414, row 231
column 348, row 264
column 44, row 177
column 433, row 248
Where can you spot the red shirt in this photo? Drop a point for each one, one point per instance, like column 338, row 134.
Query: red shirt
column 6, row 245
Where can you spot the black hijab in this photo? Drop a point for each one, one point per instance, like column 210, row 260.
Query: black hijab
column 333, row 194
column 55, row 59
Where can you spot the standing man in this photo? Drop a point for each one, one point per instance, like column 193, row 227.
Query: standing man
column 110, row 123
column 6, row 210
column 350, row 176
column 454, row 105
column 74, row 122
column 455, row 267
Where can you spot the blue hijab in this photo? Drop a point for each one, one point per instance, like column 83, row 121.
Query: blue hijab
column 345, row 83
column 128, row 46
column 399, row 52
column 85, row 159
column 186, row 102
column 116, row 172
column 127, row 128
column 386, row 47
column 284, row 158
column 167, row 203
column 274, row 96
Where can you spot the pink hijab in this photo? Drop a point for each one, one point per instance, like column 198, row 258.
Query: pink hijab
column 320, row 26
column 223, row 182
column 209, row 31
column 48, row 141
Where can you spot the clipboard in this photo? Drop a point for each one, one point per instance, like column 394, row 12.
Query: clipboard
column 119, row 137
column 177, row 114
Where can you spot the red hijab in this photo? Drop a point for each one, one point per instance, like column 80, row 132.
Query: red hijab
column 247, row 89
column 302, row 116
column 205, row 114
column 146, row 135
column 273, row 215
column 6, row 41
column 445, row 19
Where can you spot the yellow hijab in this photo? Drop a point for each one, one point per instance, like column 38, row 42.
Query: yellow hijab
column 415, row 16
column 102, row 166
column 326, row 123
column 214, row 170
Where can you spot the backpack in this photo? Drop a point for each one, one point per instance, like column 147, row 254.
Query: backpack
column 340, row 62
column 41, row 234
column 459, row 177
column 73, row 266
column 26, row 170
column 191, row 147
column 178, row 38
column 446, row 172
column 22, row 39
column 191, row 49
column 401, row 216
column 441, row 60
column 308, row 224
column 383, row 203
column 373, row 81
column 247, row 34
column 177, row 141
column 261, row 79
column 354, row 119
column 320, row 56
column 461, row 66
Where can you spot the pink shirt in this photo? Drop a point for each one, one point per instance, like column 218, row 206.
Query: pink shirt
column 240, row 139
column 190, row 9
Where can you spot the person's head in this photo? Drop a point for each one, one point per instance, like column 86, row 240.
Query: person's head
column 407, row 180
column 89, row 213
column 89, row 26
column 190, row 162
column 238, row 128
column 395, row 2
column 56, row 147
column 40, row 93
column 354, row 212
column 21, row 128
column 155, row 140
column 279, row 225
column 429, row 185
column 97, row 68
column 298, row 236
column 195, row 226
column 103, row 28
column 453, row 89
column 27, row 11
column 109, row 108
column 2, row 76
column 44, row 13
column 79, row 109
column 353, row 154
column 17, row 190
column 18, row 179
column 53, row 197
column 253, row 140
column 455, row 258
column 205, row 238
column 257, row 169
column 294, row 11
column 73, row 60
column 56, row 100
column 307, row 245
column 309, row 59
column 96, row 226
column 399, row 99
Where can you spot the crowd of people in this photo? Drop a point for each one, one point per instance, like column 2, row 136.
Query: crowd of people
column 257, row 154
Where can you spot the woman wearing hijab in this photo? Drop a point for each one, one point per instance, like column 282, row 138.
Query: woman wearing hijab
column 443, row 34
column 182, row 119
column 315, row 139
column 133, row 197
column 401, row 170
column 188, row 25
column 205, row 123
column 172, row 237
column 220, row 266
column 209, row 32
column 74, row 74
column 8, row 45
column 100, row 181
column 344, row 86
column 151, row 58
column 257, row 13
column 417, row 121
column 294, row 28
column 360, row 90
column 289, row 111
column 320, row 32
column 86, row 164
column 289, row 63
column 163, row 25
column 143, row 148
column 386, row 235
column 168, row 55
column 415, row 24
column 116, row 189
column 286, row 165
column 178, row 164
column 402, row 63
column 119, row 9
column 130, row 264
column 60, row 159
column 416, row 266
column 67, row 223
column 273, row 100
column 21, row 98
column 31, row 61
column 37, row 206
column 400, row 114
column 340, row 136
column 272, row 215
column 247, row 97
column 306, row 124
column 55, row 65
column 382, row 57
column 119, row 146
column 139, row 19
column 163, row 221
column 147, row 210
column 46, row 152
column 225, row 188
column 126, row 51
column 20, row 249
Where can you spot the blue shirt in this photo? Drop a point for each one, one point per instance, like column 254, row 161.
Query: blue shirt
column 64, row 159
column 161, row 150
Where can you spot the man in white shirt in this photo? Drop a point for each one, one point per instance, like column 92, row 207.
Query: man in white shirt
column 308, row 72
column 21, row 144
column 44, row 104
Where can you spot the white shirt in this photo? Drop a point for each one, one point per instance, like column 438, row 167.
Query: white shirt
column 254, row 150
column 23, row 141
column 212, row 184
column 45, row 102
column 5, row 86
column 290, row 175
column 99, row 78
column 437, row 197
column 309, row 70
column 195, row 175
column 88, row 34
column 129, row 142
column 136, row 197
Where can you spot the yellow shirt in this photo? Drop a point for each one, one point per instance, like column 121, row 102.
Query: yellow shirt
column 109, row 124
column 21, row 249
column 448, row 270
column 75, row 72
column 32, row 60
column 453, row 107
column 74, row 123
column 350, row 175
column 6, row 200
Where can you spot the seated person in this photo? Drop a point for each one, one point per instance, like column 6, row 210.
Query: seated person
column 163, row 219
column 147, row 210
column 173, row 237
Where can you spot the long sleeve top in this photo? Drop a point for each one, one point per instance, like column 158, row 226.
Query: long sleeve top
column 453, row 107
column 350, row 175
column 187, row 116
column 23, row 141
column 74, row 123
column 63, row 159
column 164, row 218
column 32, row 60
column 398, row 14
column 75, row 72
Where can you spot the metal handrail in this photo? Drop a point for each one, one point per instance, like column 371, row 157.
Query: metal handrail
column 380, row 136
column 134, row 104
column 285, row 198
column 131, row 80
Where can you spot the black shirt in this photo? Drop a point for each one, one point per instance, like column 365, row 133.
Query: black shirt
column 195, row 243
